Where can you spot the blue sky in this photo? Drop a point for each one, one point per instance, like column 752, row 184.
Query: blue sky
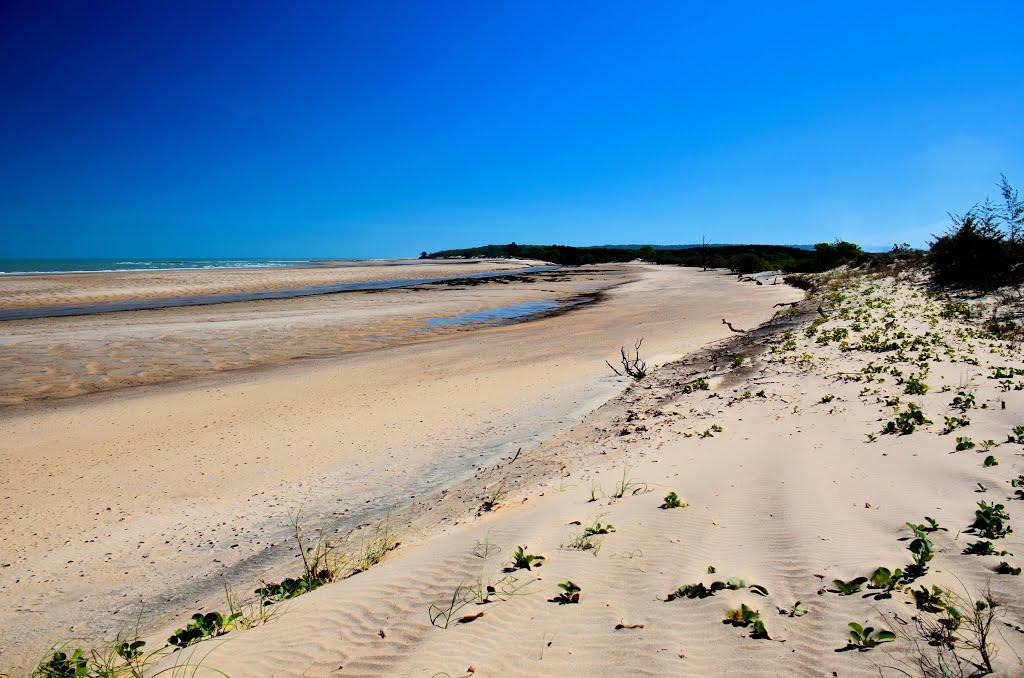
column 382, row 129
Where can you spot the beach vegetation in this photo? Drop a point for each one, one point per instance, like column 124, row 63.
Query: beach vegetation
column 982, row 248
column 921, row 551
column 627, row 485
column 700, row 384
column 699, row 590
column 847, row 588
column 493, row 497
column 798, row 610
column 963, row 401
column 521, row 560
column 863, row 637
column 953, row 423
column 672, row 500
column 474, row 592
column 915, row 386
column 928, row 600
column 569, row 595
column 907, row 421
column 202, row 626
column 991, row 521
column 1005, row 568
column 885, row 579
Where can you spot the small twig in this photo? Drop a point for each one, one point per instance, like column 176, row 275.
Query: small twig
column 726, row 322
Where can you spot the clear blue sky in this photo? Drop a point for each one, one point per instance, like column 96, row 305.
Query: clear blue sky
column 381, row 129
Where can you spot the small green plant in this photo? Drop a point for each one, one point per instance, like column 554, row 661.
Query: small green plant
column 866, row 637
column 964, row 443
column 570, row 593
column 589, row 538
column 989, row 445
column 953, row 423
column 827, row 398
column 492, row 498
column 695, row 385
column 130, row 651
column 521, row 560
column 1005, row 568
column 484, row 549
column 672, row 500
column 699, row 590
column 798, row 610
column 990, row 521
column 906, row 421
column 691, row 591
column 915, row 387
column 63, row 665
column 209, row 625
column 885, row 579
column 963, row 401
column 1016, row 435
column 990, row 461
column 920, row 551
column 847, row 588
column 289, row 588
column 628, row 485
column 710, row 432
column 742, row 616
column 928, row 600
column 598, row 528
column 478, row 592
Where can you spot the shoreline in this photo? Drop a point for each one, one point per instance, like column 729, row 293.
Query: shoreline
column 51, row 311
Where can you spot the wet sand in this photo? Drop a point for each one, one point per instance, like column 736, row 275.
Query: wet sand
column 64, row 289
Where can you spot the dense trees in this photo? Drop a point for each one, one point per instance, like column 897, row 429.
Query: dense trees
column 983, row 248
column 739, row 258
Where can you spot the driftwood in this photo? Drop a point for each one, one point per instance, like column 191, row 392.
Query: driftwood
column 822, row 313
column 634, row 367
column 729, row 324
column 786, row 303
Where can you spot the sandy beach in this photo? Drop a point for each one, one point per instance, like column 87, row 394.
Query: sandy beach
column 147, row 500
column 790, row 481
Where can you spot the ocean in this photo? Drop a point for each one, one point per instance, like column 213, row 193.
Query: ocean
column 23, row 266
